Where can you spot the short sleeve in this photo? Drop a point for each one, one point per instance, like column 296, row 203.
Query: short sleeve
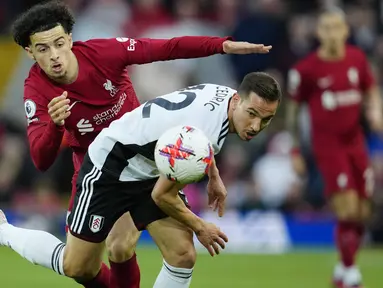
column 297, row 85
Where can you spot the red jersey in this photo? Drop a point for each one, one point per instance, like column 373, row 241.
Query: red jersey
column 101, row 93
column 334, row 92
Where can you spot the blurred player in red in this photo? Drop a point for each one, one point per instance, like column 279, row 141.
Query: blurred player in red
column 336, row 83
column 75, row 89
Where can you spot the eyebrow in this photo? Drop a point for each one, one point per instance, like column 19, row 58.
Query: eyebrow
column 257, row 113
column 44, row 44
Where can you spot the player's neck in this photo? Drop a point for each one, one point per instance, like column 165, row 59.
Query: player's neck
column 230, row 117
column 329, row 54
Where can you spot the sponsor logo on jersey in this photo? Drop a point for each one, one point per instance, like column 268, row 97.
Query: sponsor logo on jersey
column 353, row 76
column 122, row 39
column 333, row 100
column 110, row 113
column 325, row 82
column 72, row 105
column 96, row 223
column 108, row 85
column 132, row 43
column 84, row 126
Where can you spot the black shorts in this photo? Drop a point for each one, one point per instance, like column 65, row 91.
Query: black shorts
column 101, row 200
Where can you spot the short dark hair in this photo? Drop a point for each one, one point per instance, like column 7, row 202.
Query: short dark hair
column 40, row 18
column 262, row 84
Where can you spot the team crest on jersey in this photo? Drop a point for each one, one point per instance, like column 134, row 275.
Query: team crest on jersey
column 96, row 223
column 353, row 76
column 108, row 85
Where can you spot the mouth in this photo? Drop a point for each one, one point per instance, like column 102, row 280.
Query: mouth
column 250, row 135
column 57, row 67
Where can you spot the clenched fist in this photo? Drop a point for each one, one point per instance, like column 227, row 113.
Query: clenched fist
column 58, row 109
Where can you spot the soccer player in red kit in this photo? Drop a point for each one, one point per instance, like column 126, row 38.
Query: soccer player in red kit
column 74, row 90
column 336, row 83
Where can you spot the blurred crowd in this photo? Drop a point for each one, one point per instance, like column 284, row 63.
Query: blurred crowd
column 258, row 174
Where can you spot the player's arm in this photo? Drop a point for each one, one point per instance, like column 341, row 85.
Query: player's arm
column 373, row 100
column 373, row 106
column 216, row 190
column 295, row 91
column 145, row 50
column 298, row 93
column 165, row 195
column 44, row 136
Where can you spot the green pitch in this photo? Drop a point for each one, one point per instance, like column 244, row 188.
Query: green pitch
column 293, row 270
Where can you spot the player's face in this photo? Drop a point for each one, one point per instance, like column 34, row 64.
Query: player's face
column 52, row 50
column 252, row 115
column 332, row 30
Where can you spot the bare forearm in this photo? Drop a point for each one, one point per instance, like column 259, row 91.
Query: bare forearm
column 175, row 208
column 373, row 108
column 213, row 170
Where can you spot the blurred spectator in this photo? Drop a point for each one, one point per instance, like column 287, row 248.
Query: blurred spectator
column 276, row 183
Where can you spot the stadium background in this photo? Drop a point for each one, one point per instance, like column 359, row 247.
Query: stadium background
column 277, row 223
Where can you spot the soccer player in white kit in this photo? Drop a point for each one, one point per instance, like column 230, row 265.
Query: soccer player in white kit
column 119, row 175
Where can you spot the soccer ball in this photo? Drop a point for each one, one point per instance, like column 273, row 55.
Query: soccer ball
column 183, row 154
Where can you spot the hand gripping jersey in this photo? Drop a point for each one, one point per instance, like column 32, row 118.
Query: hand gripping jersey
column 126, row 148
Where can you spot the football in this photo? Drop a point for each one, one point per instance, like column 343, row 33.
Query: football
column 183, row 154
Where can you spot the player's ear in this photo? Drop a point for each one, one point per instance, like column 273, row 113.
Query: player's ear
column 70, row 38
column 30, row 53
column 236, row 99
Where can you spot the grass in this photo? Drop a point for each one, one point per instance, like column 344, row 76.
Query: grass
column 305, row 269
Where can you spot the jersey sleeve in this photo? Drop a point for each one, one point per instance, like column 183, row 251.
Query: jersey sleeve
column 297, row 84
column 366, row 78
column 44, row 136
column 129, row 51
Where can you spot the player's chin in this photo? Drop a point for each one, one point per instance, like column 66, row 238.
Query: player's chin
column 57, row 75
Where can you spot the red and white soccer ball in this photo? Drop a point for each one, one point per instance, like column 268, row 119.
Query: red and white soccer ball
column 183, row 154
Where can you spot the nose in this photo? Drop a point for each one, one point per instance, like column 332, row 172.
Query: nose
column 54, row 54
column 256, row 124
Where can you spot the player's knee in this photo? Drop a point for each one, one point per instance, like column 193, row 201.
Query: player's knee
column 121, row 249
column 79, row 271
column 346, row 206
column 182, row 256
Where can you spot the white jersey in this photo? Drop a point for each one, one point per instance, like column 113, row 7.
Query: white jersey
column 126, row 148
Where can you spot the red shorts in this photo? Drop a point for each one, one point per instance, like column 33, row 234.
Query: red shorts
column 346, row 170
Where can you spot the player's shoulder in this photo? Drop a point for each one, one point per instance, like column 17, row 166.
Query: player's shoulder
column 355, row 53
column 96, row 43
column 305, row 64
column 34, row 83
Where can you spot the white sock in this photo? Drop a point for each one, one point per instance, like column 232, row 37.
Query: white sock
column 173, row 277
column 352, row 277
column 38, row 247
column 339, row 272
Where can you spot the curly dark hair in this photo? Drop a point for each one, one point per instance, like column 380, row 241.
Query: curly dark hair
column 40, row 18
